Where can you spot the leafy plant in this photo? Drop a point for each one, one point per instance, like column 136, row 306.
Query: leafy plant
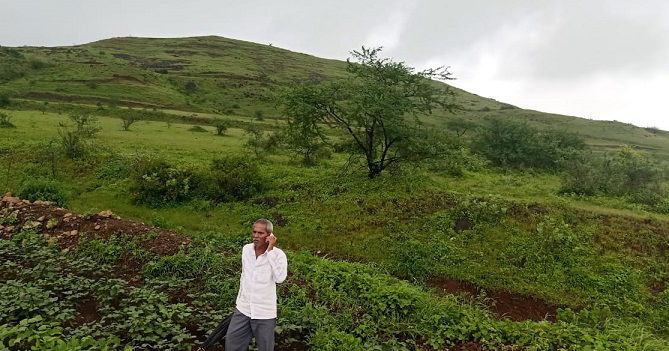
column 44, row 189
column 5, row 119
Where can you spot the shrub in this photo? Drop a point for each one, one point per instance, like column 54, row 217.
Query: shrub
column 4, row 99
column 74, row 146
column 86, row 124
column 506, row 142
column 584, row 175
column 6, row 120
column 412, row 260
column 37, row 64
column 197, row 129
column 221, row 126
column 44, row 189
column 157, row 183
column 259, row 115
column 627, row 173
column 234, row 178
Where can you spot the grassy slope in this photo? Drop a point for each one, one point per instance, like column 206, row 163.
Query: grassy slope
column 237, row 77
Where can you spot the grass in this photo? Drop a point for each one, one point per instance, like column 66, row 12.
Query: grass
column 599, row 253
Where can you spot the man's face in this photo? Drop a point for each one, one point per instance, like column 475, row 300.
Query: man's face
column 259, row 234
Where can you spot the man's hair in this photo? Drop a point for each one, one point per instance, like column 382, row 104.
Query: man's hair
column 268, row 225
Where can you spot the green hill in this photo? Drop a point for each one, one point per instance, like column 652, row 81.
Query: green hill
column 233, row 77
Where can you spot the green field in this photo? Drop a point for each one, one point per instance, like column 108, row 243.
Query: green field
column 373, row 262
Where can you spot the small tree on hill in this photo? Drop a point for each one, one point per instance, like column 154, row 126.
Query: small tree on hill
column 6, row 120
column 129, row 119
column 378, row 106
column 255, row 139
column 221, row 126
column 86, row 124
column 74, row 141
column 4, row 99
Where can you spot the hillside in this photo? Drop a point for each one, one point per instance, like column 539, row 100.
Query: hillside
column 212, row 74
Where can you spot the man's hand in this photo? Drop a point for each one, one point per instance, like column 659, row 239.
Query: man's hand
column 271, row 239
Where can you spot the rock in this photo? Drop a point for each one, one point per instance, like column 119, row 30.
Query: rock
column 105, row 214
column 11, row 199
column 40, row 202
column 7, row 194
column 9, row 228
column 52, row 223
column 26, row 201
column 74, row 232
column 40, row 219
column 1, row 226
column 66, row 250
column 97, row 227
column 31, row 225
column 67, row 215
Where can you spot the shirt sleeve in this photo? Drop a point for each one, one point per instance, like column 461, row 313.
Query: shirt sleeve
column 279, row 263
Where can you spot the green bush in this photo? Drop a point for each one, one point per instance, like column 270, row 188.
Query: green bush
column 157, row 183
column 506, row 142
column 234, row 179
column 627, row 173
column 4, row 98
column 6, row 120
column 46, row 190
column 197, row 129
column 412, row 260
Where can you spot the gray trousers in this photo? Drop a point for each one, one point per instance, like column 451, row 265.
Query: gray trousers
column 242, row 328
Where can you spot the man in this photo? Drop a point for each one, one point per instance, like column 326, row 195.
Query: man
column 263, row 266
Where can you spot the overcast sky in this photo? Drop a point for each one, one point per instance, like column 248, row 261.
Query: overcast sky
column 593, row 59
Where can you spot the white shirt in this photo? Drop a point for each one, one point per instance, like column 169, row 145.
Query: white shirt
column 257, row 286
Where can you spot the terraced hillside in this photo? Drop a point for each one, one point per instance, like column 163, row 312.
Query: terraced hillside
column 231, row 77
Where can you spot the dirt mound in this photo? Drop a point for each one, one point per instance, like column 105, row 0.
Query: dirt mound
column 503, row 304
column 66, row 227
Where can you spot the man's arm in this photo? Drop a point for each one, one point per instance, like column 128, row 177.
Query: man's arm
column 279, row 263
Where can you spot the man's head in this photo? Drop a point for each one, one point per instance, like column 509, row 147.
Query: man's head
column 262, row 228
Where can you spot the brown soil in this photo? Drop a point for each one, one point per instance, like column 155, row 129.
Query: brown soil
column 462, row 224
column 503, row 304
column 67, row 227
column 87, row 309
column 271, row 202
column 470, row 346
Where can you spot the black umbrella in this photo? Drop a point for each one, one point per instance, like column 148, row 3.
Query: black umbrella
column 218, row 334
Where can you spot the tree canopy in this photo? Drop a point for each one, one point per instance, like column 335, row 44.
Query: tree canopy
column 378, row 105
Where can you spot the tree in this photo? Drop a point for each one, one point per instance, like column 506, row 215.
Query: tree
column 128, row 119
column 460, row 125
column 305, row 138
column 86, row 124
column 221, row 126
column 74, row 140
column 378, row 105
column 4, row 99
column 6, row 120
